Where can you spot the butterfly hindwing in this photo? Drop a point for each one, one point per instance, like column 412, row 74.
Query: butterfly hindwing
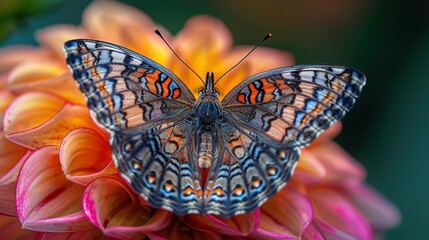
column 157, row 165
column 124, row 89
column 251, row 171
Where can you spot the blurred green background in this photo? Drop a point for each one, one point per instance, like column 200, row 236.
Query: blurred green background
column 388, row 129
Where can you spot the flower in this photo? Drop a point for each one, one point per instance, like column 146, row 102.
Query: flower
column 57, row 179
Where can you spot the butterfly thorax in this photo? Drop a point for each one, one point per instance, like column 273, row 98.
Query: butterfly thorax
column 207, row 114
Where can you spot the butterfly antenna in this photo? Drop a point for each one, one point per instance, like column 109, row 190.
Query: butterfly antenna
column 242, row 59
column 168, row 45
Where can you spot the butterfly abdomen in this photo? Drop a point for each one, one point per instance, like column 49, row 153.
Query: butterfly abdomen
column 207, row 117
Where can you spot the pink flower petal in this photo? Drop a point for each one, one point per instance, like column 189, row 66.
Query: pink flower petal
column 12, row 157
column 330, row 232
column 313, row 233
column 336, row 215
column 340, row 166
column 94, row 234
column 309, row 169
column 10, row 228
column 13, row 55
column 280, row 220
column 240, row 225
column 86, row 155
column 53, row 37
column 46, row 201
column 38, row 119
column 112, row 206
column 178, row 230
column 270, row 229
column 380, row 213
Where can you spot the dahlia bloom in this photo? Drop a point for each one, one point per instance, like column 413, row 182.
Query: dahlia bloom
column 57, row 179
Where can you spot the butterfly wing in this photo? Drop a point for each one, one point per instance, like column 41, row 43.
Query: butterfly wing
column 267, row 119
column 293, row 105
column 144, row 107
column 124, row 89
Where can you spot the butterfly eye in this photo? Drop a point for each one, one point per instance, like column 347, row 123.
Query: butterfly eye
column 216, row 90
column 201, row 90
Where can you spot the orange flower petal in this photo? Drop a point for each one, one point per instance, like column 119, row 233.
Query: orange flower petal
column 262, row 59
column 11, row 159
column 53, row 37
column 112, row 206
column 55, row 79
column 6, row 97
column 340, row 166
column 309, row 169
column 203, row 41
column 83, row 235
column 85, row 155
column 35, row 70
column 3, row 81
column 30, row 110
column 290, row 219
column 240, row 225
column 10, row 228
column 13, row 55
column 45, row 199
column 38, row 119
column 128, row 27
column 335, row 215
column 45, row 75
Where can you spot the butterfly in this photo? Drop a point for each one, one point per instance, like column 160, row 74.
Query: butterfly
column 196, row 156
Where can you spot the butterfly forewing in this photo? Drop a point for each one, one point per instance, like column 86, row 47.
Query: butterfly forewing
column 293, row 105
column 123, row 88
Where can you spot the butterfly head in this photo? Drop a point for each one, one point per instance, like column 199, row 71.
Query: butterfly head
column 208, row 88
